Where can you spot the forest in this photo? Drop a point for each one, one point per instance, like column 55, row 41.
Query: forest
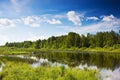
column 72, row 40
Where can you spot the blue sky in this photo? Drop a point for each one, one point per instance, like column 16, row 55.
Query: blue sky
column 22, row 20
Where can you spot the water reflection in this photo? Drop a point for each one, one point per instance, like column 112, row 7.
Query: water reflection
column 1, row 66
column 40, row 62
column 108, row 64
column 17, row 58
column 45, row 62
column 101, row 60
column 87, row 67
column 107, row 74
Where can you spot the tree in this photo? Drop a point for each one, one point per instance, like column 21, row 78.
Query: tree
column 91, row 40
column 72, row 40
column 99, row 39
column 27, row 44
column 37, row 44
column 84, row 41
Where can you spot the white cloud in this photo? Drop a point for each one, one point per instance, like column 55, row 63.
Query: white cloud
column 32, row 21
column 54, row 21
column 92, row 18
column 73, row 17
column 108, row 18
column 106, row 25
column 5, row 23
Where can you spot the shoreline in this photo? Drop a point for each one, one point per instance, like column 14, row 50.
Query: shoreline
column 9, row 50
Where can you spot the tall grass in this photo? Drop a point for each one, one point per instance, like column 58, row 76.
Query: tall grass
column 13, row 50
column 22, row 71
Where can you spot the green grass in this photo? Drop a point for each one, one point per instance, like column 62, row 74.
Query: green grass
column 11, row 50
column 98, row 49
column 23, row 71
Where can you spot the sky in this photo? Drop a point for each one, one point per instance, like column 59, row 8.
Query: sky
column 22, row 20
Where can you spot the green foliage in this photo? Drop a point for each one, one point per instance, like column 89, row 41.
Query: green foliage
column 17, row 71
column 27, row 44
column 84, row 41
column 99, row 39
column 37, row 44
column 0, row 63
column 72, row 40
column 22, row 71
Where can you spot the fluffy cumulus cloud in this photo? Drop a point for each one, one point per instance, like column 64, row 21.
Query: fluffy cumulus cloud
column 32, row 21
column 54, row 21
column 108, row 18
column 73, row 17
column 110, row 21
column 5, row 23
column 92, row 18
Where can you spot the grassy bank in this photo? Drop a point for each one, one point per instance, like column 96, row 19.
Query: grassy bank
column 98, row 49
column 11, row 50
column 23, row 71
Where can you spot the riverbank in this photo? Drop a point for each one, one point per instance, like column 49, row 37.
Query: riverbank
column 12, row 50
column 104, row 50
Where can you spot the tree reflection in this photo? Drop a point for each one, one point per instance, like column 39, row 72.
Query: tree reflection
column 101, row 60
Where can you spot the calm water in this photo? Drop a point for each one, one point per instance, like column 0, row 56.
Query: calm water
column 108, row 64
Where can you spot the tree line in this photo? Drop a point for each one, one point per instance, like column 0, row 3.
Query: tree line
column 72, row 40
